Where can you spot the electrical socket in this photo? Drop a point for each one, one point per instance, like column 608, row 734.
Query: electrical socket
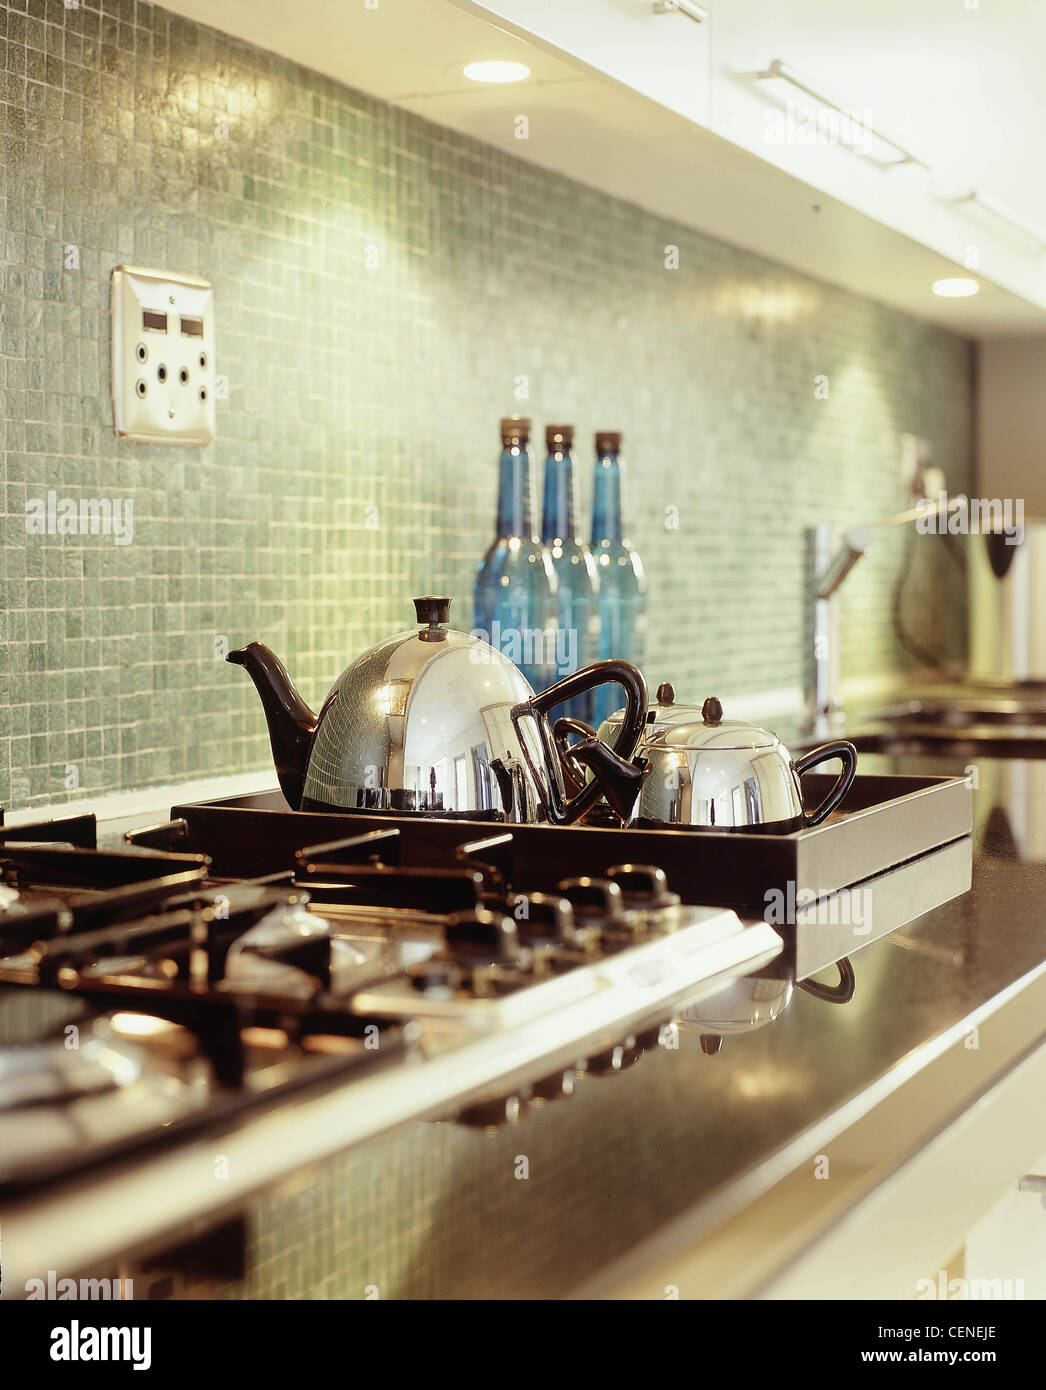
column 162, row 356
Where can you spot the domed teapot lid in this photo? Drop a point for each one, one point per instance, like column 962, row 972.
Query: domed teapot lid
column 692, row 726
column 688, row 726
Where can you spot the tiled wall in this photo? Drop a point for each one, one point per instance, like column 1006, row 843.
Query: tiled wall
column 382, row 286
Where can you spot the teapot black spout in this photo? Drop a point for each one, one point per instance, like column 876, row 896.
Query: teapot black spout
column 292, row 724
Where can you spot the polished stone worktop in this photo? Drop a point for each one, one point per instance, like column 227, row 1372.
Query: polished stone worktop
column 438, row 1210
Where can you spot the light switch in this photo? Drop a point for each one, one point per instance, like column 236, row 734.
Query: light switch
column 162, row 356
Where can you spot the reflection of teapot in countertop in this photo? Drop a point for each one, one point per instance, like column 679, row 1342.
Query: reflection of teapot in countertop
column 439, row 722
column 755, row 1000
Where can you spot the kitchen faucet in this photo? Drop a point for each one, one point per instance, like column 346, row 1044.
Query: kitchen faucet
column 828, row 564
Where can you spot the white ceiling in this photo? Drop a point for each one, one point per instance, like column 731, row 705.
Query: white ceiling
column 963, row 85
column 411, row 52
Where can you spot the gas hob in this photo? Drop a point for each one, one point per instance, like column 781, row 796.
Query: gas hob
column 150, row 993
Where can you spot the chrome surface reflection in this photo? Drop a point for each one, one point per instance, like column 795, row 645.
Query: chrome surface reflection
column 439, row 721
column 709, row 772
column 425, row 725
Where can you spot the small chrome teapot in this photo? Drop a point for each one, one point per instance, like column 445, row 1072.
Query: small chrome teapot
column 710, row 773
column 439, row 722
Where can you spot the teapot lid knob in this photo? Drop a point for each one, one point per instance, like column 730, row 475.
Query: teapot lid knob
column 666, row 693
column 432, row 610
column 712, row 711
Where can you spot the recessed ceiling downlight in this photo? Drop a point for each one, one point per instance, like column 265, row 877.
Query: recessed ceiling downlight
column 959, row 287
column 497, row 71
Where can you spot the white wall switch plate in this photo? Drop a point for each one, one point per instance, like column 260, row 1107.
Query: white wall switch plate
column 163, row 356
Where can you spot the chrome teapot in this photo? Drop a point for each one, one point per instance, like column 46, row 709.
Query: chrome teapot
column 705, row 772
column 440, row 722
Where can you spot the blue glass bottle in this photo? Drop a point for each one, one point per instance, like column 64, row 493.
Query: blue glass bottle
column 577, row 625
column 622, row 586
column 515, row 590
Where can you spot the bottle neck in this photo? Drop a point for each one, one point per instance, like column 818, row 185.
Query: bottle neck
column 557, row 512
column 514, row 493
column 606, row 499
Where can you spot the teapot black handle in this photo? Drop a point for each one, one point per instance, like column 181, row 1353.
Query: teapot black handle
column 573, row 770
column 624, row 674
column 840, row 993
column 827, row 751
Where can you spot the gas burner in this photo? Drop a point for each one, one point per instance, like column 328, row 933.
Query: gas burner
column 40, row 1072
column 85, row 1091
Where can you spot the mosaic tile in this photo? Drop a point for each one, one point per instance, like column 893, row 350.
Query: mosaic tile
column 352, row 386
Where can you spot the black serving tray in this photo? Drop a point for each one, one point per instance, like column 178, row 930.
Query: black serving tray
column 884, row 821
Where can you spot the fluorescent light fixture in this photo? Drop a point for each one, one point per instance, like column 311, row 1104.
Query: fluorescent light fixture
column 829, row 122
column 497, row 71
column 958, row 287
column 1007, row 215
column 690, row 8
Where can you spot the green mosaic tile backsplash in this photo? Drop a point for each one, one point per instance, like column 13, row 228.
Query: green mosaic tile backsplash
column 385, row 291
